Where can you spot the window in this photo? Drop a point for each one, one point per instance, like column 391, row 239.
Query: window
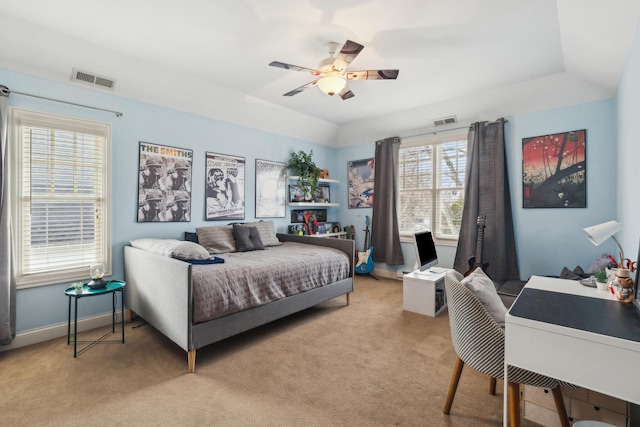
column 431, row 174
column 62, row 209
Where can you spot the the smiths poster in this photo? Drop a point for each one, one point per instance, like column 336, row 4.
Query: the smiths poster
column 164, row 183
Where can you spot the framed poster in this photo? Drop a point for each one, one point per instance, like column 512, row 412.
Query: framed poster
column 225, row 187
column 164, row 183
column 361, row 174
column 554, row 170
column 271, row 199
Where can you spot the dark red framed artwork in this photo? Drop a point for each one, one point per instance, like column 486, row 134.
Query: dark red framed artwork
column 554, row 170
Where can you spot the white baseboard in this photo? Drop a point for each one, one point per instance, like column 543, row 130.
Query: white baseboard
column 387, row 274
column 47, row 333
column 401, row 273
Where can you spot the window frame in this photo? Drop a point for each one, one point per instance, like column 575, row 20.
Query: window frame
column 19, row 117
column 435, row 140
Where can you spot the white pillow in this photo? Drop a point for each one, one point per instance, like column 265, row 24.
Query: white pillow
column 484, row 289
column 173, row 248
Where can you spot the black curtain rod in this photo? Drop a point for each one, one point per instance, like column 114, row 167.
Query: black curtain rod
column 6, row 91
column 435, row 132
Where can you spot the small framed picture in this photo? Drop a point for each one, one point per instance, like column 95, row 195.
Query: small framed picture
column 322, row 194
column 324, row 173
column 300, row 216
column 296, row 193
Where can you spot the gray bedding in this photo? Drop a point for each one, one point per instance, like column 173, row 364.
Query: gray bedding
column 251, row 279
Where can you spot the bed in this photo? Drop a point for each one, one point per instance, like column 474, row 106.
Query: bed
column 196, row 305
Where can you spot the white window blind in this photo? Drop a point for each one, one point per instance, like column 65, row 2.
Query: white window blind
column 63, row 216
column 431, row 173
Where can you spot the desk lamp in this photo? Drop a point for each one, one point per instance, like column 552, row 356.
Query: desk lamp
column 601, row 232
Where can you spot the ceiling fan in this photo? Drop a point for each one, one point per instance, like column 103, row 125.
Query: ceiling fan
column 332, row 73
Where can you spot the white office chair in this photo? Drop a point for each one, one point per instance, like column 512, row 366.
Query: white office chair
column 479, row 343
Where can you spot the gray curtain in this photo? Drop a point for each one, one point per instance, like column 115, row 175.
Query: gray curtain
column 487, row 193
column 385, row 237
column 7, row 278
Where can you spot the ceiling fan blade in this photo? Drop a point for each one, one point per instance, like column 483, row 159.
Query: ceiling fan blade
column 346, row 93
column 347, row 54
column 372, row 75
column 294, row 68
column 301, row 88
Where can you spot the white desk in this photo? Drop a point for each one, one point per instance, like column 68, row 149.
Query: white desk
column 577, row 334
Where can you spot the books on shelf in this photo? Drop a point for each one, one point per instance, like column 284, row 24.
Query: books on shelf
column 311, row 228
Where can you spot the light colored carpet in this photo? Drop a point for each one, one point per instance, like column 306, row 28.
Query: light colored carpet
column 367, row 364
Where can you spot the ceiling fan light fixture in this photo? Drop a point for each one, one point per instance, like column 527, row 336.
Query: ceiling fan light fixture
column 332, row 84
column 332, row 75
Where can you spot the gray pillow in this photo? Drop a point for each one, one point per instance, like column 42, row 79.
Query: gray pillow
column 247, row 238
column 254, row 235
column 217, row 239
column 243, row 240
column 484, row 289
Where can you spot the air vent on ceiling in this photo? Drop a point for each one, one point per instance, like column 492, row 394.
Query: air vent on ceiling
column 92, row 79
column 445, row 121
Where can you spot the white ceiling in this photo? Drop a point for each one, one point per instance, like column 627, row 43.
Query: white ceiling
column 211, row 57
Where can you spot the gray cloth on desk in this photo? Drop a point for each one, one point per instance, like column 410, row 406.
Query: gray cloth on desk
column 577, row 273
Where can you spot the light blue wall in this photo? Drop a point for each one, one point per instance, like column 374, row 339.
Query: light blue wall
column 353, row 216
column 46, row 305
column 549, row 239
column 546, row 239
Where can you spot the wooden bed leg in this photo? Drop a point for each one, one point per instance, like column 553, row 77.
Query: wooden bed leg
column 348, row 298
column 191, row 355
column 128, row 315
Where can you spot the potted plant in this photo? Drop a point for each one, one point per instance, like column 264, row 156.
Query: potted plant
column 601, row 279
column 307, row 171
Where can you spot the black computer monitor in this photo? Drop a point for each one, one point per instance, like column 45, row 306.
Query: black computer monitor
column 425, row 248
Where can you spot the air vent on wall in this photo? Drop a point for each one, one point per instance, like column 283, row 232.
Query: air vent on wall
column 445, row 121
column 92, row 79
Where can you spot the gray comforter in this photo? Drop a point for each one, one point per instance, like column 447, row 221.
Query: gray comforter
column 251, row 279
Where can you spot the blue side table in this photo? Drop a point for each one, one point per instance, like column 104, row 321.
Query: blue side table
column 112, row 287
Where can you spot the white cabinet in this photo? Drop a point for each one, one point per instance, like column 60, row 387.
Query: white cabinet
column 423, row 293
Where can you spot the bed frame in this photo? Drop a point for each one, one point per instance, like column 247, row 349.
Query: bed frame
column 171, row 311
